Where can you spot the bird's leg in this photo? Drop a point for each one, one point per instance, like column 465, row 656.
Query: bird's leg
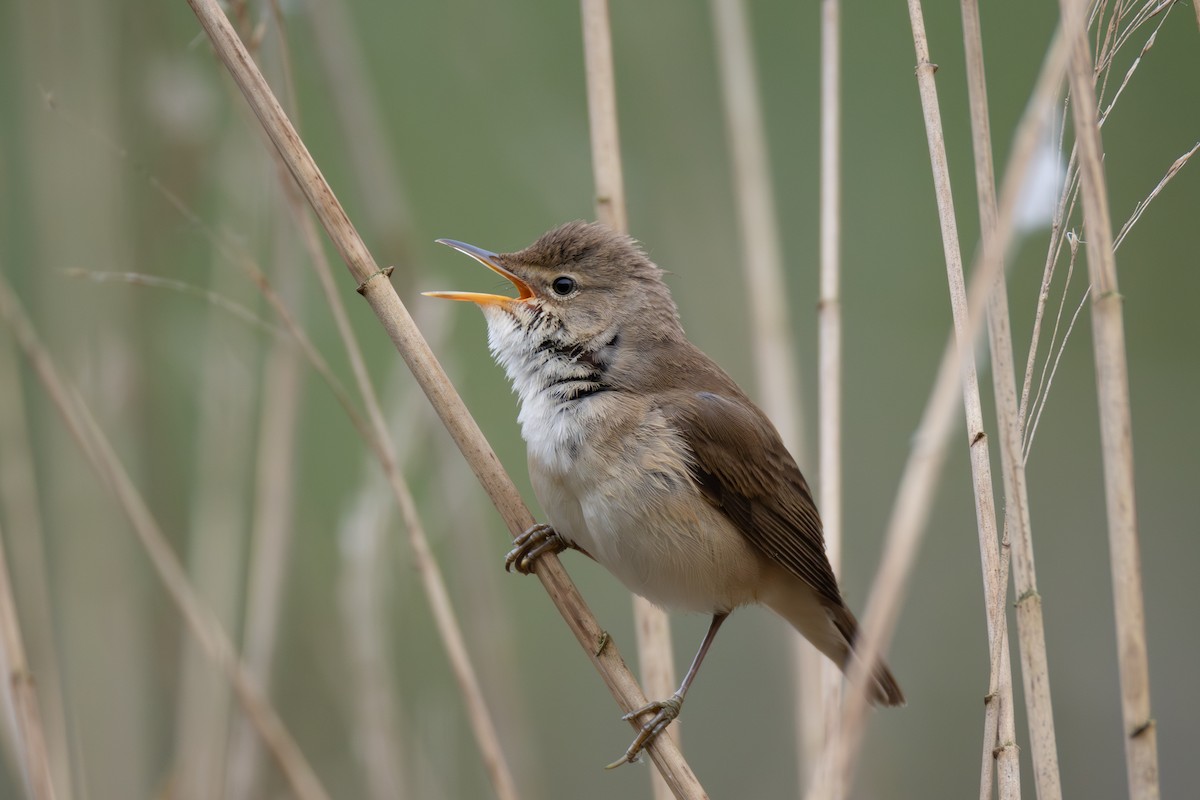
column 532, row 545
column 667, row 710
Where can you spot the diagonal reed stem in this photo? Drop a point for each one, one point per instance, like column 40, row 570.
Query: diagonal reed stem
column 432, row 378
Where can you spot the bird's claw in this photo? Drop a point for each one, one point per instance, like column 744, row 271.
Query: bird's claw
column 532, row 545
column 665, row 712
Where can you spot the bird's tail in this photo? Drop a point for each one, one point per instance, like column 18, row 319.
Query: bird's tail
column 885, row 691
column 832, row 629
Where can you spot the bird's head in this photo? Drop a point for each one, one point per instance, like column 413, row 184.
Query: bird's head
column 580, row 285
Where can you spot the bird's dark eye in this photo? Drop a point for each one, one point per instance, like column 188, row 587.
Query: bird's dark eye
column 563, row 285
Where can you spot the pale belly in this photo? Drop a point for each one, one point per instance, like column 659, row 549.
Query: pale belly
column 636, row 511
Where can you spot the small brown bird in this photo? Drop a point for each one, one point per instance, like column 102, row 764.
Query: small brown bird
column 647, row 457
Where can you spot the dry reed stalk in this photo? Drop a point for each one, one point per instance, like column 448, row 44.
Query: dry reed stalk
column 999, row 746
column 1000, row 681
column 19, row 498
column 454, row 415
column 200, row 621
column 765, row 281
column 1112, row 390
column 829, row 365
column 656, row 658
column 33, row 756
column 271, row 525
column 918, row 481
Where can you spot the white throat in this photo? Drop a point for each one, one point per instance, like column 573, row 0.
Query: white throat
column 554, row 380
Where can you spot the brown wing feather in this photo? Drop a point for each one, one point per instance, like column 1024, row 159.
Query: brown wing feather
column 743, row 468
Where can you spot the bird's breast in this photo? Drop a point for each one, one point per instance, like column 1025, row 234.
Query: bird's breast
column 614, row 478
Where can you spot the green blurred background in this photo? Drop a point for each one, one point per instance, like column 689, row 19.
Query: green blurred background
column 483, row 114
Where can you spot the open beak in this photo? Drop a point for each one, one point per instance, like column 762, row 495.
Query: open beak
column 489, row 260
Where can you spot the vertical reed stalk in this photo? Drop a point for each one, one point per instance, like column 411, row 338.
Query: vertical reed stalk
column 1116, row 436
column 398, row 324
column 1000, row 738
column 1000, row 683
column 655, row 655
column 829, row 368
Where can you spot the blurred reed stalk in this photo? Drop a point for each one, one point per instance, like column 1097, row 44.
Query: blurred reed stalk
column 33, row 757
column 217, row 520
column 199, row 620
column 1116, row 437
column 271, row 524
column 107, row 664
column 22, row 518
column 829, row 364
column 766, row 290
column 432, row 580
column 999, row 697
column 651, row 623
column 918, row 480
column 362, row 586
column 408, row 341
column 386, row 210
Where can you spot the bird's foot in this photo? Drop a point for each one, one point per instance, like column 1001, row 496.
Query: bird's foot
column 665, row 712
column 532, row 545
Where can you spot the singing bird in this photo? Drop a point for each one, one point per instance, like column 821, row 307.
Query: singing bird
column 647, row 457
